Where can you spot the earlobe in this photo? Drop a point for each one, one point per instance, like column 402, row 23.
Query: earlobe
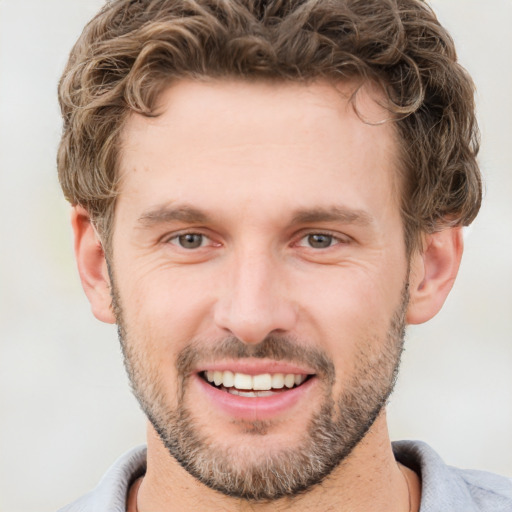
column 92, row 265
column 433, row 272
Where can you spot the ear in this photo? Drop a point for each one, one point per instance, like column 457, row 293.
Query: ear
column 92, row 265
column 433, row 272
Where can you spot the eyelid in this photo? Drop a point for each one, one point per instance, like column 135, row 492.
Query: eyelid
column 210, row 239
column 339, row 237
column 175, row 240
column 176, row 234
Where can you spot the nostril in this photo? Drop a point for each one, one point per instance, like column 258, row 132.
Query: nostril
column 251, row 314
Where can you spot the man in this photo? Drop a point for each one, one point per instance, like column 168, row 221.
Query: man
column 264, row 195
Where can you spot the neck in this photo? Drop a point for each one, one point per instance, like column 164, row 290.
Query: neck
column 369, row 479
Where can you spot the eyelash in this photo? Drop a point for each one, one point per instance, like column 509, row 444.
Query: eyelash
column 174, row 240
column 333, row 239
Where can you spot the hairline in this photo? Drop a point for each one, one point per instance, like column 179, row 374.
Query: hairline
column 106, row 224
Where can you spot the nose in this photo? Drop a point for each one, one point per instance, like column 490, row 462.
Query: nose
column 254, row 299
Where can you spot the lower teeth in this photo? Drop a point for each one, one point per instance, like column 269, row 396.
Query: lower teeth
column 252, row 394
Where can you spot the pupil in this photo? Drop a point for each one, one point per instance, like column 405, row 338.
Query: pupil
column 320, row 241
column 191, row 241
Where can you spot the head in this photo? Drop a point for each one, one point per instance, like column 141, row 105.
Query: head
column 274, row 188
column 132, row 50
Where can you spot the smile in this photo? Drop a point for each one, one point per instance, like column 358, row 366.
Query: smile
column 261, row 385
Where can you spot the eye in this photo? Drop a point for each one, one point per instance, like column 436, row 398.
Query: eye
column 189, row 240
column 318, row 241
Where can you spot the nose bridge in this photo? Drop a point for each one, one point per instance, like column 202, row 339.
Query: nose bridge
column 254, row 301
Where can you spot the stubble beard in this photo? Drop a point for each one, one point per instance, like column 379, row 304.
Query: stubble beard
column 332, row 433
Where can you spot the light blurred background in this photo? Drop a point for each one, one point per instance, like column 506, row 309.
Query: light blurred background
column 65, row 408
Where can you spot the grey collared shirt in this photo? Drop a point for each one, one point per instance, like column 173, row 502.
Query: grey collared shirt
column 444, row 488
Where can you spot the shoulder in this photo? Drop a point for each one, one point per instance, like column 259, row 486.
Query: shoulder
column 488, row 490
column 110, row 493
column 447, row 488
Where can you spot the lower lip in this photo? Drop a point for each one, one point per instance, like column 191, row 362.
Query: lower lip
column 255, row 408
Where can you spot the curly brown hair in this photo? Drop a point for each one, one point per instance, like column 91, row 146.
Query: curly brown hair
column 132, row 49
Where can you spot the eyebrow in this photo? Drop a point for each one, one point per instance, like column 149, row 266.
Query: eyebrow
column 190, row 215
column 333, row 214
column 166, row 213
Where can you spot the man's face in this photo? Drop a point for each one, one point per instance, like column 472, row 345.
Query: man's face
column 260, row 278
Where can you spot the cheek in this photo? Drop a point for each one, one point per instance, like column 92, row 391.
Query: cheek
column 166, row 307
column 350, row 310
column 353, row 294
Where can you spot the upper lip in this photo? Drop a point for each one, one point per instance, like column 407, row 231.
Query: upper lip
column 255, row 367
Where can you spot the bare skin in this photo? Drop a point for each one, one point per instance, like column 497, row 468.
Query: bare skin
column 255, row 172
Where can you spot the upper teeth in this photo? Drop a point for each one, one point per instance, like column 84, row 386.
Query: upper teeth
column 262, row 382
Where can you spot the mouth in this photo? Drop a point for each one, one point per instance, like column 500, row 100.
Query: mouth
column 254, row 386
column 253, row 391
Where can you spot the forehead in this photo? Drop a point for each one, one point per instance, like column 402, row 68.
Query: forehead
column 195, row 108
column 245, row 142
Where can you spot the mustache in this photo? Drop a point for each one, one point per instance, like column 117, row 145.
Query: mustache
column 274, row 346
